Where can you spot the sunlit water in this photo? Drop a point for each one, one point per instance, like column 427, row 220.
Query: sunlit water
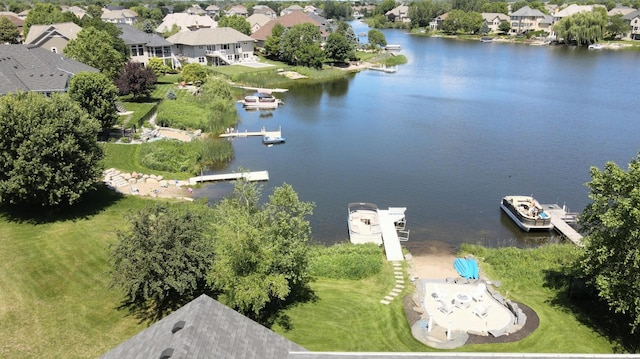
column 461, row 125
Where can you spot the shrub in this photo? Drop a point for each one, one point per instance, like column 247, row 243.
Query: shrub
column 176, row 156
column 346, row 261
column 171, row 95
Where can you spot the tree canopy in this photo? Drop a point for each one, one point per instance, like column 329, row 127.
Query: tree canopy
column 194, row 73
column 612, row 244
column 236, row 22
column 161, row 259
column 97, row 95
column 136, row 79
column 301, row 46
column 583, row 28
column 46, row 13
column 617, row 26
column 338, row 48
column 272, row 44
column 460, row 21
column 376, row 38
column 9, row 33
column 48, row 150
column 96, row 48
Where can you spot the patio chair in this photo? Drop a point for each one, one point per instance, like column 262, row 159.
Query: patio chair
column 481, row 311
column 446, row 308
column 438, row 295
column 478, row 295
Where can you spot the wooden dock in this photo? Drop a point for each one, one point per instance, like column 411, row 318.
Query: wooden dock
column 249, row 176
column 390, row 239
column 262, row 90
column 262, row 132
column 560, row 219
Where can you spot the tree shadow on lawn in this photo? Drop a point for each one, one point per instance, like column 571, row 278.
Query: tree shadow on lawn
column 574, row 296
column 92, row 203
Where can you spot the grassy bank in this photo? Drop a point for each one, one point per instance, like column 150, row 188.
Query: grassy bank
column 126, row 158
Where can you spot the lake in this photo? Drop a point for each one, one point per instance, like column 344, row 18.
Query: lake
column 458, row 127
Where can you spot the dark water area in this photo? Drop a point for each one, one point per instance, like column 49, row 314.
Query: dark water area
column 458, row 127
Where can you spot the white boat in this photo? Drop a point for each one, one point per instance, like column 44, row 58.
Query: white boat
column 527, row 213
column 260, row 101
column 392, row 47
column 596, row 47
column 486, row 39
column 271, row 140
column 383, row 68
column 364, row 224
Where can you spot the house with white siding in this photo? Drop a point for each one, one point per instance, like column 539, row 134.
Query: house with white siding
column 216, row 47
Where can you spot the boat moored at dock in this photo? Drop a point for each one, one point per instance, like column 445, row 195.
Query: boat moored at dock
column 272, row 140
column 364, row 223
column 260, row 101
column 527, row 213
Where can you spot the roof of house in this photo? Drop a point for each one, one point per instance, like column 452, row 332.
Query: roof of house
column 288, row 21
column 212, row 8
column 263, row 9
column 195, row 9
column 28, row 68
column 117, row 14
column 620, row 10
column 489, row 16
column 572, row 10
column 132, row 36
column 185, row 22
column 632, row 15
column 526, row 11
column 258, row 19
column 548, row 19
column 402, row 9
column 38, row 33
column 238, row 10
column 205, row 328
column 220, row 35
column 13, row 17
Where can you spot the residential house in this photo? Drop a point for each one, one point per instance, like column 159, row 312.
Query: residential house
column 436, row 23
column 185, row 22
column 79, row 12
column 15, row 20
column 287, row 21
column 264, row 10
column 311, row 9
column 634, row 22
column 546, row 25
column 571, row 10
column 23, row 14
column 257, row 21
column 27, row 68
column 195, row 10
column 620, row 10
column 144, row 46
column 124, row 16
column 525, row 20
column 212, row 11
column 290, row 9
column 360, row 11
column 54, row 37
column 494, row 19
column 219, row 46
column 398, row 14
column 239, row 10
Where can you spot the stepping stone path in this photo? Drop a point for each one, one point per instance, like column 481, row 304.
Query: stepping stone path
column 395, row 292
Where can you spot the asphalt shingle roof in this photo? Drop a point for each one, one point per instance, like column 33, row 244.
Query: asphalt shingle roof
column 24, row 68
column 132, row 36
column 528, row 12
column 220, row 35
column 286, row 21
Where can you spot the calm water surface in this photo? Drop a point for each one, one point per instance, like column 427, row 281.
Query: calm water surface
column 461, row 125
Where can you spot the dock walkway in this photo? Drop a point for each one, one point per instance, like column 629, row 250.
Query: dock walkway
column 559, row 219
column 249, row 176
column 262, row 132
column 390, row 238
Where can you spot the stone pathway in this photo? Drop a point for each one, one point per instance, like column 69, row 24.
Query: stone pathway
column 398, row 273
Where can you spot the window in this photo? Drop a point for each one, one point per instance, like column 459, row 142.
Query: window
column 238, row 45
column 225, row 46
column 202, row 59
column 137, row 50
column 245, row 55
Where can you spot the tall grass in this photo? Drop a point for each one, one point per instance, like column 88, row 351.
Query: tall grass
column 126, row 158
column 190, row 157
column 346, row 261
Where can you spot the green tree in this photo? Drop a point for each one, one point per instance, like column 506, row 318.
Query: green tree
column 337, row 10
column 48, row 150
column 301, row 46
column 113, row 31
column 583, row 28
column 237, row 22
column 617, row 26
column 272, row 44
column 44, row 14
column 158, row 66
column 385, row 6
column 338, row 48
column 136, row 79
column 162, row 257
column 484, row 29
column 454, row 22
column 9, row 33
column 261, row 252
column 612, row 251
column 472, row 22
column 95, row 11
column 347, row 31
column 376, row 38
column 194, row 72
column 504, row 27
column 499, row 7
column 518, row 5
column 148, row 26
column 421, row 13
column 97, row 95
column 96, row 48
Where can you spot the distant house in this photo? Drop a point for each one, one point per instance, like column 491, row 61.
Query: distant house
column 493, row 20
column 290, row 9
column 26, row 68
column 219, row 46
column 124, row 16
column 436, row 23
column 212, row 11
column 54, row 37
column 634, row 22
column 287, row 21
column 239, row 10
column 398, row 14
column 195, row 10
column 15, row 20
column 572, row 10
column 526, row 19
column 79, row 12
column 144, row 46
column 620, row 10
column 257, row 21
column 264, row 10
column 185, row 22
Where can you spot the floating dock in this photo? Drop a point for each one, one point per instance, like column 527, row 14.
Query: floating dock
column 388, row 70
column 263, row 132
column 249, row 176
column 560, row 219
column 390, row 239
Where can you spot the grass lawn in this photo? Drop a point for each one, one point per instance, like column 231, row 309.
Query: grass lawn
column 55, row 299
column 125, row 158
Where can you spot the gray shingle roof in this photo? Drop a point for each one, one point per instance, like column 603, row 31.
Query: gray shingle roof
column 210, row 330
column 220, row 35
column 528, row 12
column 132, row 36
column 632, row 15
column 24, row 68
